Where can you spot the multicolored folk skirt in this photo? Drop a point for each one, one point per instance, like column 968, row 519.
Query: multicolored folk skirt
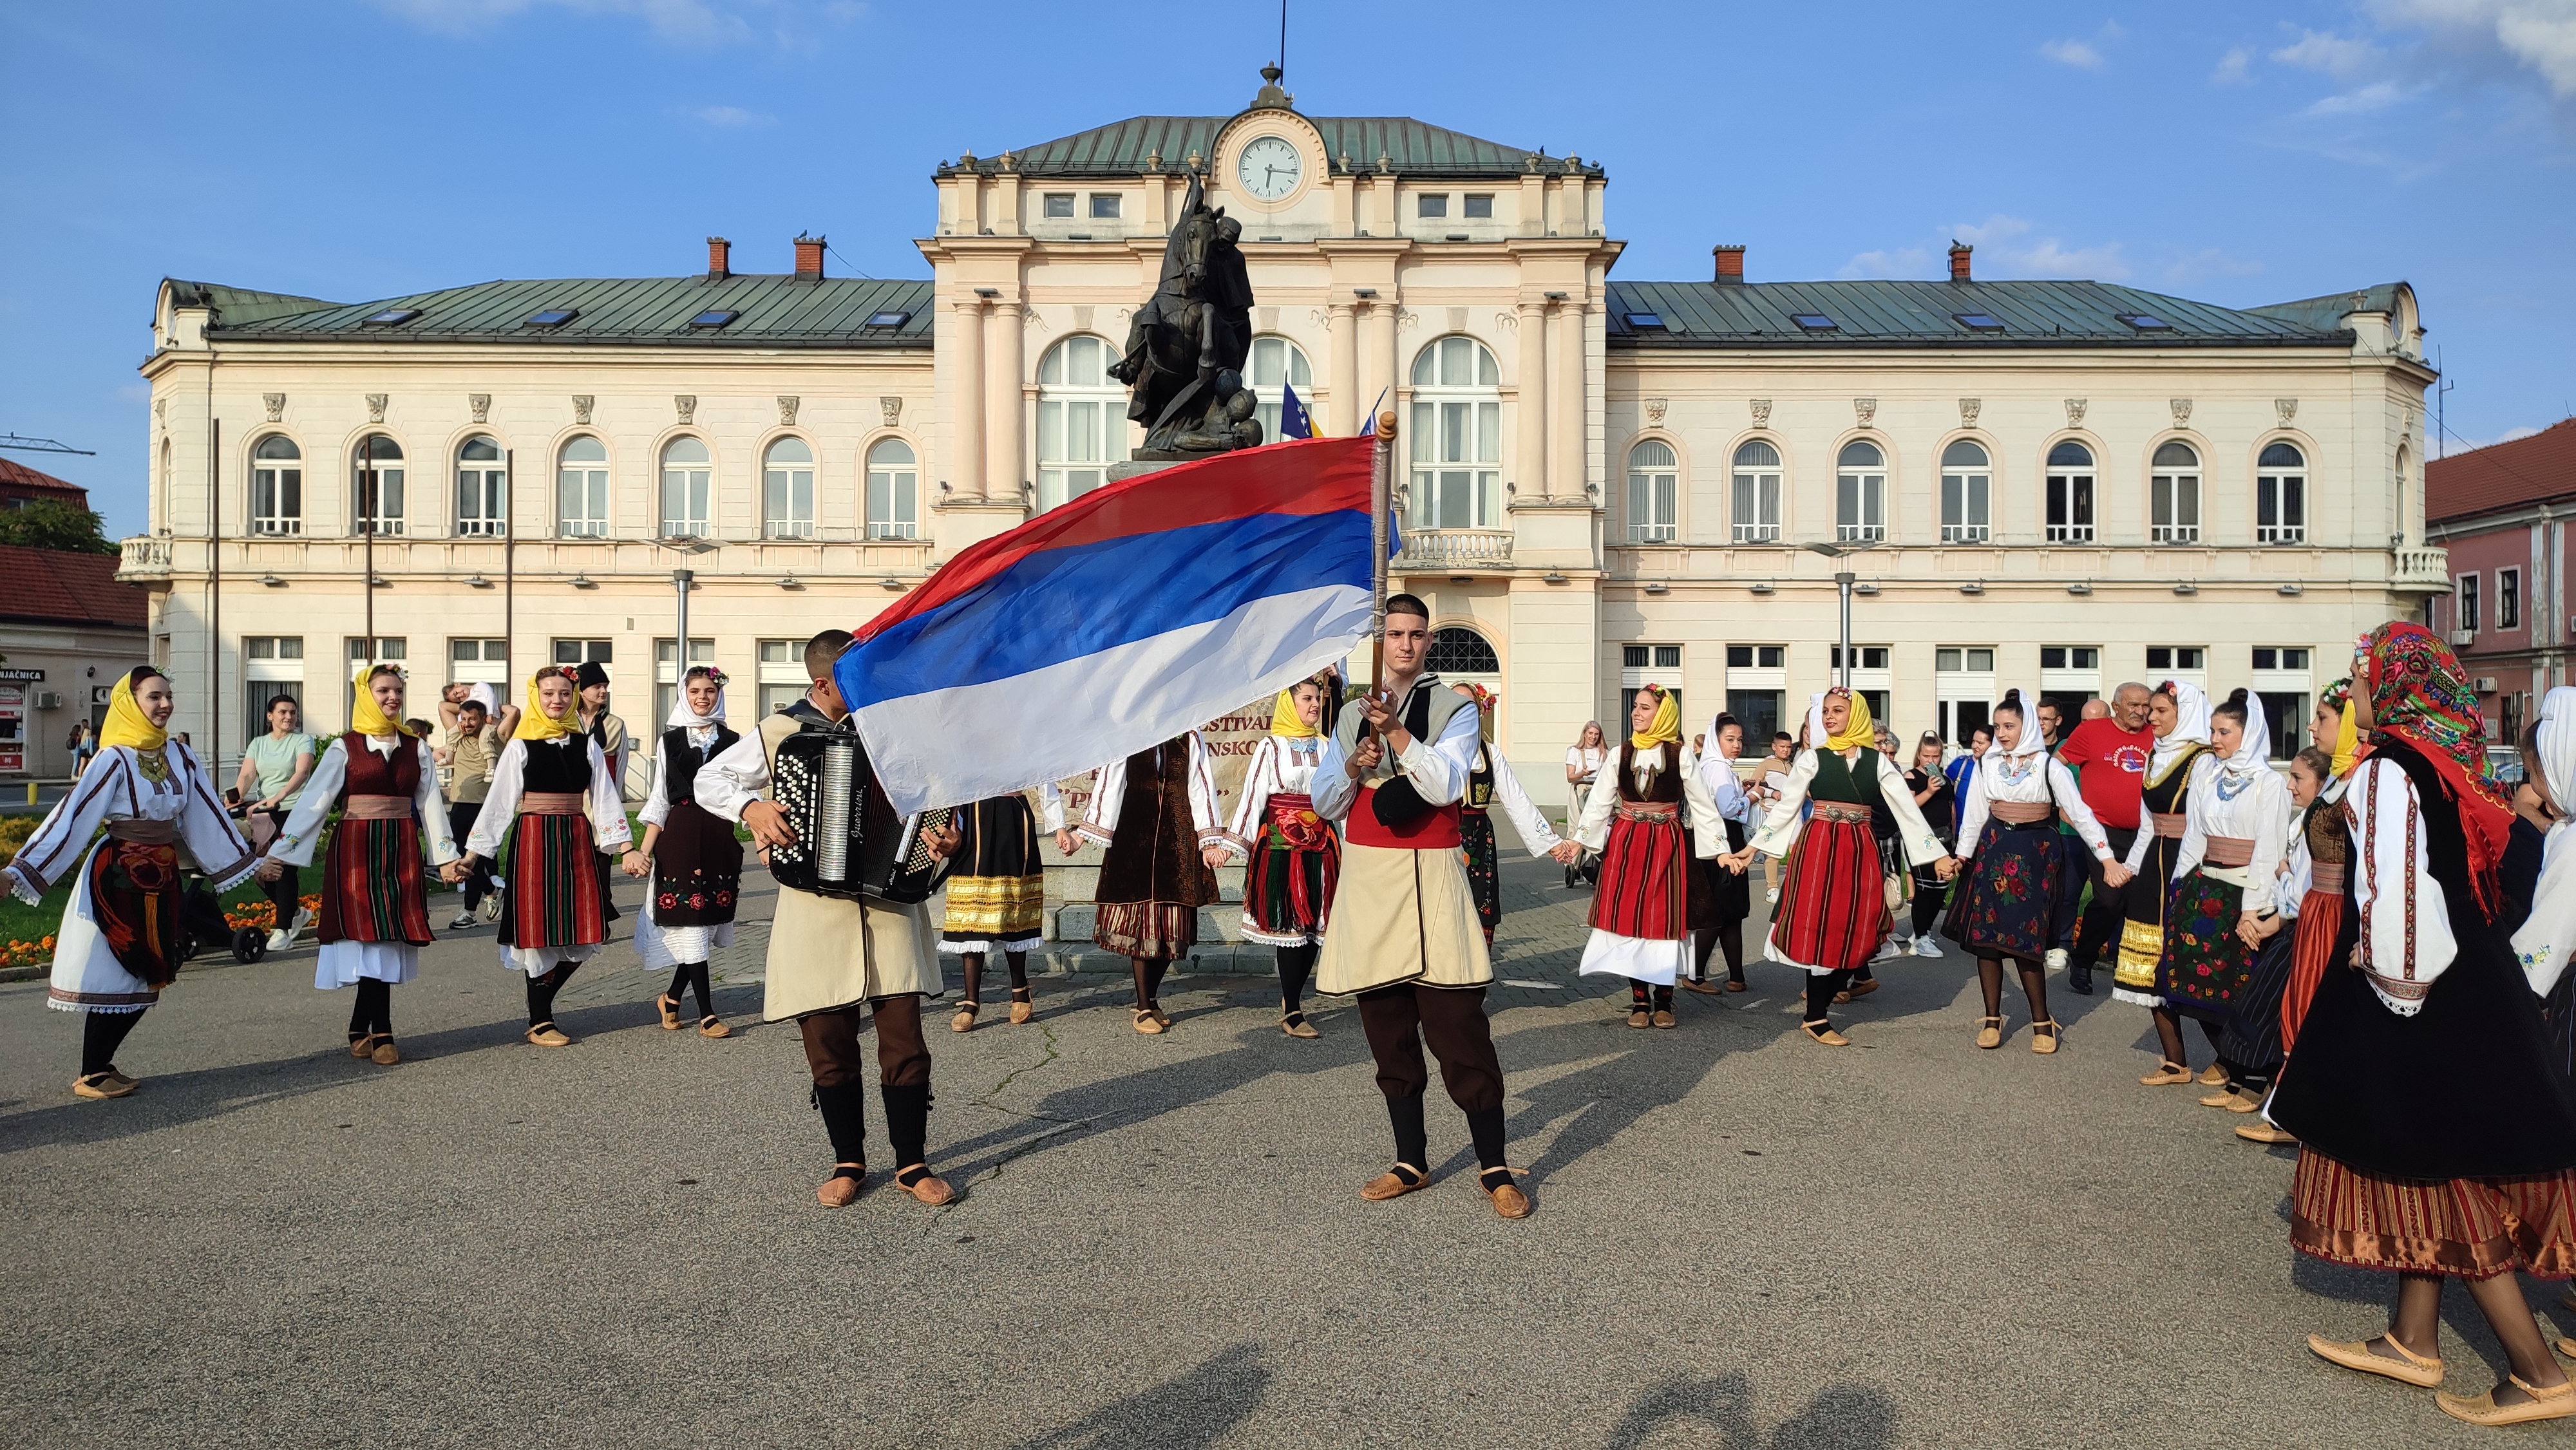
column 1155, row 930
column 373, row 885
column 556, row 897
column 2476, row 1228
column 2250, row 1047
column 2015, row 898
column 1832, row 912
column 1645, row 880
column 697, row 869
column 2205, row 963
column 135, row 899
column 1296, row 867
column 2312, row 950
column 1484, row 867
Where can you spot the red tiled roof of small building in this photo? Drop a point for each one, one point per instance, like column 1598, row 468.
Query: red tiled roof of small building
column 57, row 587
column 2503, row 475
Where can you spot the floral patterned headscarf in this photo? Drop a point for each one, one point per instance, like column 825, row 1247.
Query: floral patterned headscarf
column 2419, row 694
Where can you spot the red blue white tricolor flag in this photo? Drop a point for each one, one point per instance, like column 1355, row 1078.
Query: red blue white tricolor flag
column 1116, row 622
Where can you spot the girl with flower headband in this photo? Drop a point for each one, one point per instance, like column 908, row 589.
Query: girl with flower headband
column 554, row 804
column 1292, row 856
column 124, row 932
column 691, row 854
column 2436, row 1138
column 375, row 885
column 1649, row 815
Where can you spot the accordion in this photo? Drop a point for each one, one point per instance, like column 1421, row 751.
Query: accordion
column 849, row 842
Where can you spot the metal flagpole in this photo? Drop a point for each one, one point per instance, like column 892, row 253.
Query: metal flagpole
column 509, row 580
column 1381, row 487
column 367, row 520
column 215, row 594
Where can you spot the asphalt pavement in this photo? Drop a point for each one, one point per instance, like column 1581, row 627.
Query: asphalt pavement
column 1743, row 1239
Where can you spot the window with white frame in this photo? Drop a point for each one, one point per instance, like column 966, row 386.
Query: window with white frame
column 2173, row 495
column 1860, row 493
column 272, row 665
column 782, row 674
column 276, row 486
column 1757, row 493
column 1756, row 677
column 585, row 651
column 376, row 485
column 2280, row 495
column 2169, row 660
column 1963, row 689
column 1081, row 409
column 1057, row 205
column 1278, row 365
column 1641, row 665
column 2464, row 595
column 1457, row 437
column 1966, row 485
column 581, row 489
column 787, row 490
column 2508, row 599
column 482, row 488
column 1654, row 493
column 2070, row 494
column 1104, row 206
column 894, row 491
column 688, row 479
column 666, row 672
column 480, row 661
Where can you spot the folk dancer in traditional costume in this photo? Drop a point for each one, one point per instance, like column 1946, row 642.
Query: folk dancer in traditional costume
column 1833, row 900
column 691, row 854
column 829, row 954
column 2178, row 713
column 997, row 899
column 2435, row 1137
column 1730, row 893
column 1651, row 817
column 125, row 930
column 554, row 804
column 1154, row 816
column 2221, row 909
column 2546, row 937
column 2262, row 1023
column 610, row 731
column 2016, row 897
column 1489, row 785
column 1404, row 937
column 1292, row 857
column 375, row 885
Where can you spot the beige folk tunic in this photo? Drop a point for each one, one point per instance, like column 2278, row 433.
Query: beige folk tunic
column 824, row 952
column 1401, row 914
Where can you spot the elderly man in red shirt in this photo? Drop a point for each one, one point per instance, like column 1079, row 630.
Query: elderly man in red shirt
column 2109, row 758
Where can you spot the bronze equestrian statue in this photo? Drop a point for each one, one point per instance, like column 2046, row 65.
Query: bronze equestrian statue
column 1187, row 345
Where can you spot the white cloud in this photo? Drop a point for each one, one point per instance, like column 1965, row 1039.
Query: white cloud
column 2445, row 447
column 2232, row 68
column 2537, row 34
column 2377, row 96
column 2077, row 53
column 2336, row 55
column 689, row 22
column 2005, row 248
column 732, row 116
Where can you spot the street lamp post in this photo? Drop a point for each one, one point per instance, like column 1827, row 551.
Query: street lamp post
column 683, row 580
column 1843, row 580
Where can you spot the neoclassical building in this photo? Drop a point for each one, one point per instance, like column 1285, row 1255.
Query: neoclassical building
column 1607, row 482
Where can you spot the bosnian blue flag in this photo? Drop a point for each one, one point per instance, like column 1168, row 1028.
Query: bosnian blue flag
column 1116, row 622
column 1293, row 422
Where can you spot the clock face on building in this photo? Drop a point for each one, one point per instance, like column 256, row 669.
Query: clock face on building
column 1268, row 167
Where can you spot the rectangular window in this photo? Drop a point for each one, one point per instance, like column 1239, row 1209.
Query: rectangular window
column 2508, row 598
column 1457, row 453
column 782, row 674
column 1756, row 656
column 1058, row 204
column 2286, row 711
column 2173, row 503
column 2280, row 508
column 893, row 495
column 2070, row 508
column 583, row 652
column 480, row 661
column 381, row 485
column 1757, row 505
column 2069, row 657
column 2186, row 658
column 581, row 493
column 2509, row 710
column 1633, row 656
column 1964, row 518
column 1975, row 660
column 1864, row 656
column 1860, row 507
column 1104, row 206
column 1668, row 657
column 277, row 496
column 1759, row 710
column 1431, row 204
column 2466, row 604
column 1480, row 204
column 666, row 674
column 787, row 495
column 272, row 665
column 1654, row 503
column 482, row 489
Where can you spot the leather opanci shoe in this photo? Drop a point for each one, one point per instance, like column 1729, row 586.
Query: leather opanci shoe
column 1394, row 1183
column 925, row 1185
column 839, row 1190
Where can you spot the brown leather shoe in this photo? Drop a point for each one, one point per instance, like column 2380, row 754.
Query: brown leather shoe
column 362, row 1044
column 1391, row 1184
column 1509, row 1200
column 964, row 1021
column 1022, row 1009
column 929, row 1187
column 1148, row 1023
column 546, row 1034
column 2171, row 1074
column 840, row 1189
column 1664, row 1017
column 101, row 1085
column 1733, row 985
column 386, row 1054
column 713, row 1026
column 2213, row 1075
column 1864, row 988
column 1640, row 1017
column 669, row 1007
column 2266, row 1134
column 1694, row 984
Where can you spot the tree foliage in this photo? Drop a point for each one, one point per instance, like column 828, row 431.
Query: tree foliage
column 53, row 524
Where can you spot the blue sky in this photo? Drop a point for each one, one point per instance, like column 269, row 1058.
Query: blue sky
column 353, row 150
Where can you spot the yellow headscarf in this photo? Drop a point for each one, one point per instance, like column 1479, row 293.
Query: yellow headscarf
column 126, row 723
column 1857, row 730
column 365, row 717
column 2347, row 751
column 536, row 724
column 1286, row 723
column 1667, row 728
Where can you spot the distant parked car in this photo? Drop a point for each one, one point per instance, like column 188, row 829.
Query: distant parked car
column 2505, row 764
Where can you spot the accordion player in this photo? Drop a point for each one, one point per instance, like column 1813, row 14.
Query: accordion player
column 849, row 843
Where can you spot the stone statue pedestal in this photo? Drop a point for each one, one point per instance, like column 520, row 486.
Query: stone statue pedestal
column 1121, row 472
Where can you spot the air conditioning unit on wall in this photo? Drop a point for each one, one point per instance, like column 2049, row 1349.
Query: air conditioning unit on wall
column 2463, row 638
column 2483, row 684
column 49, row 699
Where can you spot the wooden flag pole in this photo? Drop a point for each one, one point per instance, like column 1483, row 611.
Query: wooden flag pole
column 1381, row 490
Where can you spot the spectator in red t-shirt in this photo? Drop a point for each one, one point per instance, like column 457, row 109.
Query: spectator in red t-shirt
column 2109, row 758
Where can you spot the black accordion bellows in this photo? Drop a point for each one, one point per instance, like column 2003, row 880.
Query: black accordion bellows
column 849, row 842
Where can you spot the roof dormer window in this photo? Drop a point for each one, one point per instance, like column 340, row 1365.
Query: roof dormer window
column 390, row 317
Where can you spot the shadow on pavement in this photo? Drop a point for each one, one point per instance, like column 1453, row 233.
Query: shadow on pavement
column 1843, row 1417
column 1199, row 1408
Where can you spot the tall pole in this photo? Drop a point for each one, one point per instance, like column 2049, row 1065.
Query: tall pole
column 680, row 668
column 1843, row 581
column 214, row 595
column 367, row 521
column 509, row 541
column 1381, row 487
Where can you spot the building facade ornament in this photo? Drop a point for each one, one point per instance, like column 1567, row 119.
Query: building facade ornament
column 2075, row 412
column 480, row 405
column 2287, row 408
column 581, row 407
column 375, row 407
column 1969, row 408
column 686, row 406
column 1761, row 412
column 893, row 410
column 2181, row 410
column 276, row 405
column 1655, row 408
column 1864, row 409
column 787, row 405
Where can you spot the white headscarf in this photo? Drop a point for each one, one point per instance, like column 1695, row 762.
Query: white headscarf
column 2254, row 748
column 2033, row 739
column 684, row 718
column 2191, row 727
column 2545, row 939
column 1816, row 721
column 487, row 697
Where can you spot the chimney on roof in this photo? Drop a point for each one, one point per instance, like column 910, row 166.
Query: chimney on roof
column 809, row 258
column 1959, row 261
column 1730, row 263
column 719, row 259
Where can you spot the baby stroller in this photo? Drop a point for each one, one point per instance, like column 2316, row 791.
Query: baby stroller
column 202, row 915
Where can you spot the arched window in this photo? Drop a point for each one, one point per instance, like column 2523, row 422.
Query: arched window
column 1457, row 650
column 688, row 476
column 482, row 488
column 2173, row 496
column 376, row 484
column 1279, row 364
column 1654, row 493
column 893, row 491
column 1967, row 480
column 277, row 486
column 1757, row 493
column 1457, row 437
column 581, row 489
column 2070, row 494
column 2281, row 495
column 1860, row 493
column 787, row 490
column 1081, row 411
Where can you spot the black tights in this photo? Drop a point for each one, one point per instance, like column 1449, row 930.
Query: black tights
column 374, row 1010
column 2169, row 1036
column 1149, row 980
column 1729, row 936
column 101, row 1035
column 542, row 989
column 692, row 977
column 1019, row 965
column 1643, row 996
column 1295, row 965
column 2034, row 985
column 1928, row 901
column 1821, row 987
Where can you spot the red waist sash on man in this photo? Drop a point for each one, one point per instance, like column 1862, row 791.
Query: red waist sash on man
column 1436, row 831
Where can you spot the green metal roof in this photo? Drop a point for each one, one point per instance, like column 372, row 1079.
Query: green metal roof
column 1925, row 314
column 775, row 311
column 2329, row 312
column 238, row 305
column 1142, row 143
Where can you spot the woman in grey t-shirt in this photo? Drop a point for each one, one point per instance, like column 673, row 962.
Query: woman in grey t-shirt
column 273, row 771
